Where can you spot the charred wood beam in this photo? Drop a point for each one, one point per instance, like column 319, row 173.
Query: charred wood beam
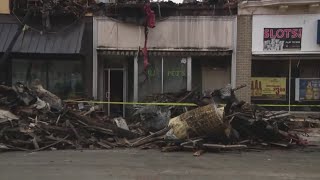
column 115, row 129
column 150, row 138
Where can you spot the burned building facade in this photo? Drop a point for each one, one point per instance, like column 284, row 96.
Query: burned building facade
column 54, row 47
column 191, row 47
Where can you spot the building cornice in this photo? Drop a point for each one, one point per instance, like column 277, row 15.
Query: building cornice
column 264, row 3
column 279, row 7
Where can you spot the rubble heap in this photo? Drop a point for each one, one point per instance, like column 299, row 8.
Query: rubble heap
column 34, row 119
column 234, row 125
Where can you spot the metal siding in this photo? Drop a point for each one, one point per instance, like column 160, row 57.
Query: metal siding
column 41, row 46
column 4, row 36
column 175, row 32
column 17, row 46
column 33, row 42
column 73, row 42
column 26, row 42
column 56, row 42
column 49, row 43
column 78, row 48
column 64, row 46
column 66, row 43
column 2, row 43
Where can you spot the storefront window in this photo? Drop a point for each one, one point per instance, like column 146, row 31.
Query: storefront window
column 305, row 85
column 150, row 81
column 62, row 78
column 164, row 75
column 174, row 75
column 286, row 84
column 65, row 78
column 270, row 84
column 26, row 71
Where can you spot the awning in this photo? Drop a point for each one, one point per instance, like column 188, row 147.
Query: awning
column 286, row 57
column 65, row 42
column 166, row 52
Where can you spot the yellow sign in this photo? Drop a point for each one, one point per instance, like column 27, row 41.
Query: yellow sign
column 268, row 88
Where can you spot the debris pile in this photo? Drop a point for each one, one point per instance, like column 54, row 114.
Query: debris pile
column 185, row 96
column 34, row 119
column 235, row 125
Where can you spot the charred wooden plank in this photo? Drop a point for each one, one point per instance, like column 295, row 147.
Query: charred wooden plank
column 104, row 145
column 108, row 143
column 60, row 139
column 50, row 145
column 74, row 130
column 116, row 130
column 219, row 146
column 147, row 138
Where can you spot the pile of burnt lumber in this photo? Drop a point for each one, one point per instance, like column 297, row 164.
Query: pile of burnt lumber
column 35, row 119
column 233, row 126
column 208, row 128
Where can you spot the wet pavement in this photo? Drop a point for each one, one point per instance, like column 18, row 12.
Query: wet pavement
column 152, row 164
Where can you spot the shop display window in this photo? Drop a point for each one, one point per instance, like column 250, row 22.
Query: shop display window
column 63, row 78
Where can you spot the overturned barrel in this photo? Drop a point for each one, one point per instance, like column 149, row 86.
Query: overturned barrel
column 203, row 121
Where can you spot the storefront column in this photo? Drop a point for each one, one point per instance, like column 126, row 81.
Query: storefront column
column 244, row 56
column 234, row 56
column 135, row 78
column 162, row 79
column 95, row 60
column 189, row 74
column 290, row 85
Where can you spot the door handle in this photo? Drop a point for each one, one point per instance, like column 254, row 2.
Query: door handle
column 107, row 95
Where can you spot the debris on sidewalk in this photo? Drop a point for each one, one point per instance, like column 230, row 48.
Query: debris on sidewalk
column 34, row 119
column 235, row 126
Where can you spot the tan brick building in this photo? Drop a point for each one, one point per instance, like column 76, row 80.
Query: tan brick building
column 278, row 53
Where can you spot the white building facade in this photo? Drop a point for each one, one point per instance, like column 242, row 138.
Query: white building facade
column 184, row 53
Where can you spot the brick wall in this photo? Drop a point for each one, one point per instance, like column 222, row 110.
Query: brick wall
column 244, row 41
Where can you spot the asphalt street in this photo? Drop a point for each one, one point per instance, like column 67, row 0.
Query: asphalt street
column 152, row 164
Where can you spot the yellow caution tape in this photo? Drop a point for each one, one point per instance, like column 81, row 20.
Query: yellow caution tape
column 287, row 105
column 179, row 104
column 134, row 103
